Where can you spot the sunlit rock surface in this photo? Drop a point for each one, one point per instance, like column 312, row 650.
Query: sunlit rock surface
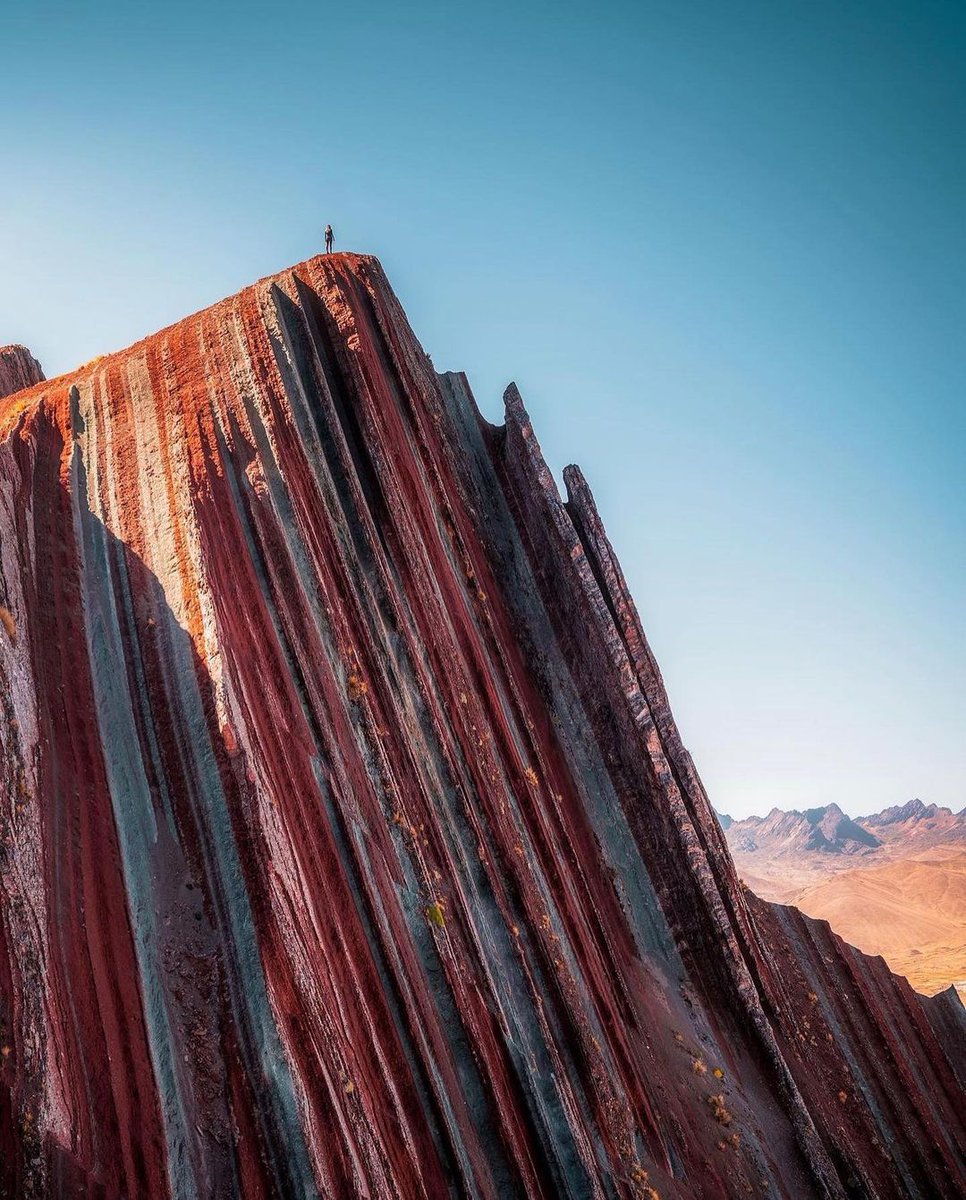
column 18, row 370
column 348, row 846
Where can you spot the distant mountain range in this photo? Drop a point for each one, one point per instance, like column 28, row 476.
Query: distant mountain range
column 828, row 830
column 893, row 883
column 916, row 819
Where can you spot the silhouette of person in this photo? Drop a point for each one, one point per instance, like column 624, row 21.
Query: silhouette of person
column 328, row 239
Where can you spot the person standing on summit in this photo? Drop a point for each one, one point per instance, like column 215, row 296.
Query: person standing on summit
column 328, row 239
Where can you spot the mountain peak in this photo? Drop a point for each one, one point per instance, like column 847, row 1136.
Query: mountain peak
column 912, row 813
column 826, row 829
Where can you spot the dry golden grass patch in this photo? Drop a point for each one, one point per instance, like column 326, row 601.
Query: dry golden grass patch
column 9, row 624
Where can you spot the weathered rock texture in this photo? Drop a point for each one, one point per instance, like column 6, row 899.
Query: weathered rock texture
column 348, row 843
column 18, row 370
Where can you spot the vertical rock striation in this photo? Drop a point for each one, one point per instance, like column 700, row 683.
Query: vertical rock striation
column 18, row 370
column 348, row 846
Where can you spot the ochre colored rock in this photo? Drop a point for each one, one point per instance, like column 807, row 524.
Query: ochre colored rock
column 348, row 846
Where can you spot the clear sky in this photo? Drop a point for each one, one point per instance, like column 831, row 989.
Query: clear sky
column 720, row 247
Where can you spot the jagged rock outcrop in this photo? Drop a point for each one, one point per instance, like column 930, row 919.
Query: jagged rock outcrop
column 18, row 370
column 349, row 847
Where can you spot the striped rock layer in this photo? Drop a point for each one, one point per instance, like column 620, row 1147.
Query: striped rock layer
column 348, row 846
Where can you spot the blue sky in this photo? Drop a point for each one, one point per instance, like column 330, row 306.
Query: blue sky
column 721, row 249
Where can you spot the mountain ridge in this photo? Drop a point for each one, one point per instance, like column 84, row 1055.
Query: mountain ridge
column 825, row 829
column 911, row 808
column 828, row 825
column 351, row 847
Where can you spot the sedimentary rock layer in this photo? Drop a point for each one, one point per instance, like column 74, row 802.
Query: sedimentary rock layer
column 348, row 846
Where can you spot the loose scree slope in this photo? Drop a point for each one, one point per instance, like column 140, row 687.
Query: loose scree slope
column 348, row 846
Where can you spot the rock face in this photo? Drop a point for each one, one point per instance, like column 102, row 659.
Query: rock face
column 348, row 845
column 18, row 370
